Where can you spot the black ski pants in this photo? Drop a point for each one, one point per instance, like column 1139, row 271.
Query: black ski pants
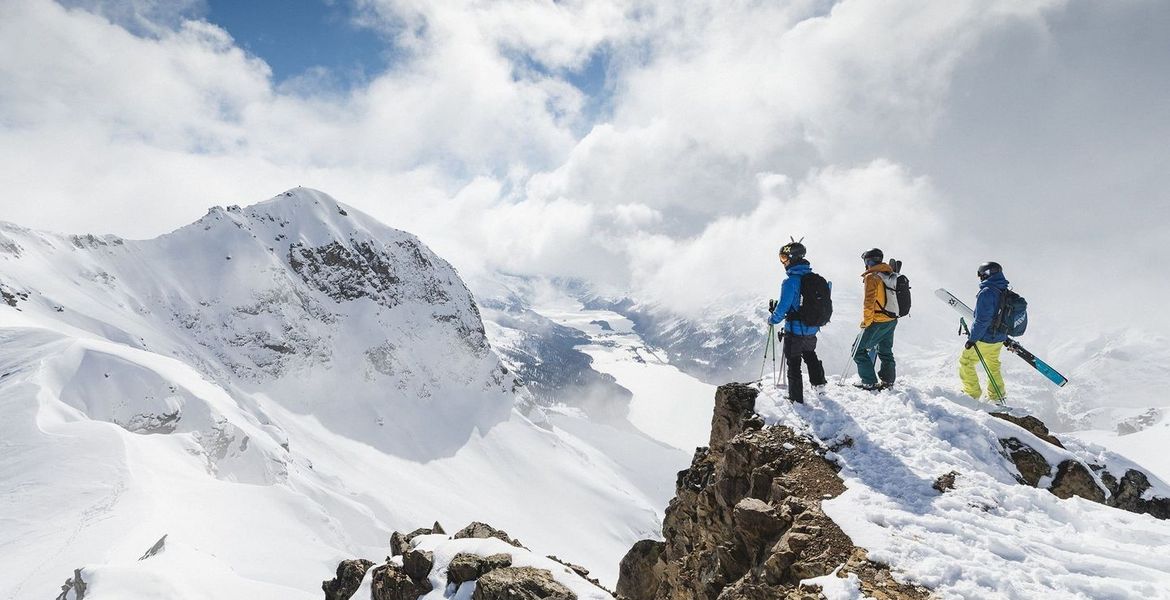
column 797, row 348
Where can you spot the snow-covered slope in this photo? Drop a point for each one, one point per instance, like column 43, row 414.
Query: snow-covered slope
column 275, row 388
column 989, row 537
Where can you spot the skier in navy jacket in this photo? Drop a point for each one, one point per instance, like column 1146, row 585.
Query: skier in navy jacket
column 984, row 340
column 800, row 340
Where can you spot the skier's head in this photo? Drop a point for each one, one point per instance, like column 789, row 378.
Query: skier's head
column 988, row 269
column 873, row 256
column 792, row 251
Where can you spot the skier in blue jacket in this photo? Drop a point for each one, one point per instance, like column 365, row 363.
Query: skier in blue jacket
column 984, row 339
column 800, row 340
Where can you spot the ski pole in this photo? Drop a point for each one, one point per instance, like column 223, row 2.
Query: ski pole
column 767, row 343
column 852, row 352
column 783, row 372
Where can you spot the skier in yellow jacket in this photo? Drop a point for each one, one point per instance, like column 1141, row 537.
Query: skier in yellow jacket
column 877, row 324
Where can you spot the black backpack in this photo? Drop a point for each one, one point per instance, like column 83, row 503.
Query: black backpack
column 816, row 301
column 897, row 291
column 1011, row 317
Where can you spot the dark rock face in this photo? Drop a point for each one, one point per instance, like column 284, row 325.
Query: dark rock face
column 463, row 567
column 1030, row 463
column 400, row 543
column 1127, row 493
column 349, row 577
column 390, row 582
column 468, row 567
column 520, row 583
column 74, row 584
column 1073, row 479
column 945, row 482
column 418, row 564
column 1032, row 425
column 746, row 521
column 641, row 570
column 1076, row 478
column 484, row 531
column 358, row 270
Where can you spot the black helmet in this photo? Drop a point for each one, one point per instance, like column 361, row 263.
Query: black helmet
column 988, row 269
column 875, row 254
column 793, row 250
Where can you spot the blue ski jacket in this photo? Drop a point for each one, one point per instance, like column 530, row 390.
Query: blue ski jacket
column 790, row 300
column 986, row 305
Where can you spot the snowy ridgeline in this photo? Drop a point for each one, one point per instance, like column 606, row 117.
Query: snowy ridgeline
column 905, row 494
column 989, row 536
column 275, row 388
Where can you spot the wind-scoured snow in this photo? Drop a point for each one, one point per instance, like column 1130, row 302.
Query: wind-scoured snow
column 990, row 537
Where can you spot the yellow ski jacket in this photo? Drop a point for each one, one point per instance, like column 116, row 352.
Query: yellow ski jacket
column 875, row 296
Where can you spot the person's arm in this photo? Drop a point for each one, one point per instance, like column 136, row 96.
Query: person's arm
column 787, row 299
column 869, row 303
column 984, row 313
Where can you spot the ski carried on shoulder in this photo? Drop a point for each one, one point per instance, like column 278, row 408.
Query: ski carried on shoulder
column 1012, row 346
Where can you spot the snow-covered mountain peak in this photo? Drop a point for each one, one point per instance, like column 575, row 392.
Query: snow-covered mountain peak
column 303, row 215
column 293, row 370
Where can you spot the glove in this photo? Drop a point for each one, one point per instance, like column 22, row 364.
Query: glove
column 969, row 344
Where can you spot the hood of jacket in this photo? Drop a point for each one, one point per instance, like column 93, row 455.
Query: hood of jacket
column 799, row 267
column 996, row 281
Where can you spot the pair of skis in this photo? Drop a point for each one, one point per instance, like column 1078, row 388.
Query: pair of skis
column 1012, row 345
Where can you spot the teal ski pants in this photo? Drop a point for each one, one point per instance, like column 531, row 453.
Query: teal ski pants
column 879, row 337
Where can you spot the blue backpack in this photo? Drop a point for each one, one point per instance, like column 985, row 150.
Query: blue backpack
column 1011, row 317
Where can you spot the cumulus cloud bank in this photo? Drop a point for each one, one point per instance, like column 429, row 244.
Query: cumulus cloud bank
column 1029, row 131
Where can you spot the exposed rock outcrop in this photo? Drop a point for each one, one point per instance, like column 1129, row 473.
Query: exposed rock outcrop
column 484, row 531
column 400, row 543
column 468, row 567
column 493, row 576
column 391, row 582
column 74, row 588
column 746, row 521
column 520, row 583
column 1071, row 477
column 349, row 578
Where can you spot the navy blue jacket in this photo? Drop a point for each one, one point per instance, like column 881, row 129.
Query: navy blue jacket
column 986, row 305
column 790, row 300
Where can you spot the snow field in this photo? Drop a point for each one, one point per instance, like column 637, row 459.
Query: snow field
column 988, row 538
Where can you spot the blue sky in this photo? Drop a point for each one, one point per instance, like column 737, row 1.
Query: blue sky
column 296, row 36
column 293, row 37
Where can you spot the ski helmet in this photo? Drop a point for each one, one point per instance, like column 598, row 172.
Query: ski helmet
column 874, row 254
column 793, row 250
column 988, row 269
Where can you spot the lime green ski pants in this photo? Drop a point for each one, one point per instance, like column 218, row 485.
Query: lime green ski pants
column 969, row 364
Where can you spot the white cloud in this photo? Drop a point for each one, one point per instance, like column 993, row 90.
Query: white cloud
column 909, row 124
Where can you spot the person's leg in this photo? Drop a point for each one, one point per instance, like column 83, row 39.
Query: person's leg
column 885, row 352
column 991, row 357
column 861, row 357
column 792, row 348
column 816, row 369
column 968, row 361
